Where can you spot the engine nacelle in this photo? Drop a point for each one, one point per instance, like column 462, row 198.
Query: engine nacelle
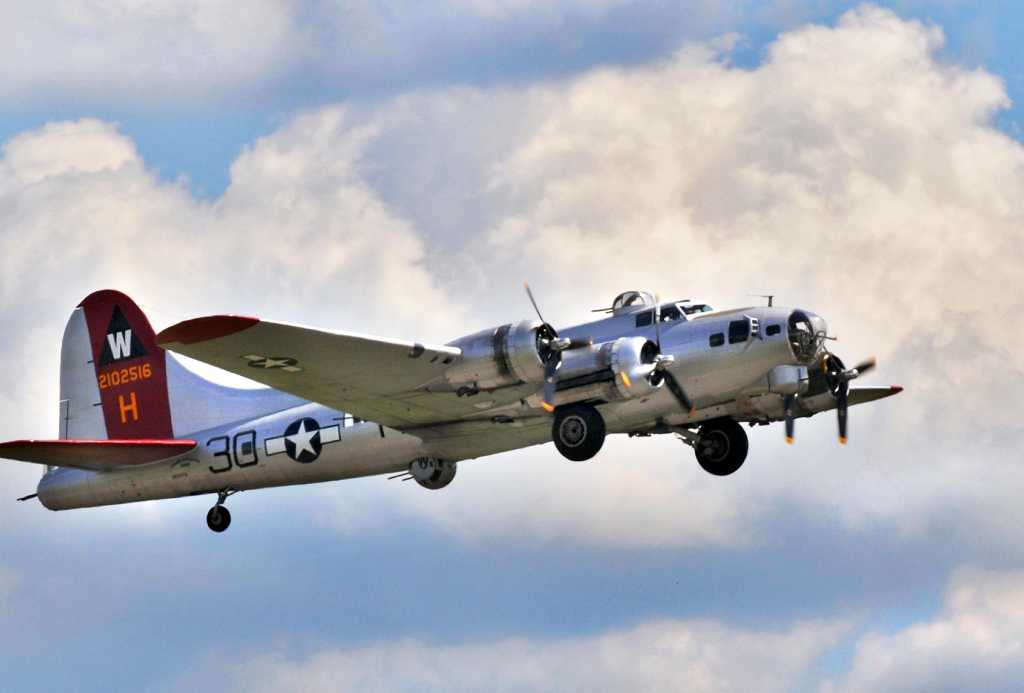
column 597, row 372
column 632, row 361
column 497, row 357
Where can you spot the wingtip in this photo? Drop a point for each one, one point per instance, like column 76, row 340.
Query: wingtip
column 204, row 329
column 896, row 389
column 547, row 407
column 789, row 440
column 842, row 440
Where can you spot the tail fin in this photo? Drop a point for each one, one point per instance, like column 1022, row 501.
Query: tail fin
column 117, row 384
column 113, row 376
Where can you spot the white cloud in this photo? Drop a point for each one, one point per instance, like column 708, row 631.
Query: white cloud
column 644, row 494
column 662, row 655
column 141, row 50
column 65, row 148
column 975, row 643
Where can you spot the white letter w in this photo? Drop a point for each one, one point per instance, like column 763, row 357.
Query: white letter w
column 120, row 344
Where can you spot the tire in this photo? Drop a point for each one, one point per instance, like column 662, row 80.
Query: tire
column 578, row 431
column 218, row 519
column 721, row 447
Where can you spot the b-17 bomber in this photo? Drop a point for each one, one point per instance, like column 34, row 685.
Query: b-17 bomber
column 136, row 424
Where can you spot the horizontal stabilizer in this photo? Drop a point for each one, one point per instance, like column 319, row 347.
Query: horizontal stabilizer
column 95, row 455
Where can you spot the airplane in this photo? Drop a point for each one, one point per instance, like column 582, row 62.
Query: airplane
column 136, row 424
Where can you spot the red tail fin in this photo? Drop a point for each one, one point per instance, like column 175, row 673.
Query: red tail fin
column 131, row 370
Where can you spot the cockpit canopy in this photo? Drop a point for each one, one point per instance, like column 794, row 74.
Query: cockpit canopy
column 631, row 301
column 636, row 301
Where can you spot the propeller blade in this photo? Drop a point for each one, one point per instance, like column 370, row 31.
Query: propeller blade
column 657, row 321
column 529, row 293
column 788, row 406
column 550, row 383
column 842, row 398
column 866, row 365
column 679, row 392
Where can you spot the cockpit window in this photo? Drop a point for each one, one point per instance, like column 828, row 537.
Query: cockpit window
column 670, row 312
column 694, row 308
column 644, row 319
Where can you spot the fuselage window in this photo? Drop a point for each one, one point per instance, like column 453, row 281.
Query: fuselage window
column 739, row 331
column 773, row 330
column 645, row 319
column 717, row 339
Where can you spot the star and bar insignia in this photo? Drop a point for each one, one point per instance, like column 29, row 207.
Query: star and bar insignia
column 303, row 440
column 285, row 363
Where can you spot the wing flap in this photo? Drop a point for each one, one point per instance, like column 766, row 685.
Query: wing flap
column 94, row 455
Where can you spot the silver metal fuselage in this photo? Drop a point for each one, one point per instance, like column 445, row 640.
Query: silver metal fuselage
column 726, row 380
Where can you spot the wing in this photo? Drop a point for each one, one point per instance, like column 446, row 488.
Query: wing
column 94, row 455
column 380, row 380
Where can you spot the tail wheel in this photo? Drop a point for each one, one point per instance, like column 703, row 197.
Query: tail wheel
column 218, row 518
column 721, row 447
column 578, row 431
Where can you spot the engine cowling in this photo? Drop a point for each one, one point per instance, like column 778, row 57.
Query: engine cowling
column 633, row 360
column 614, row 370
column 497, row 357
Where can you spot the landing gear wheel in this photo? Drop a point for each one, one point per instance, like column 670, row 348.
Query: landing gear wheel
column 218, row 518
column 578, row 431
column 721, row 447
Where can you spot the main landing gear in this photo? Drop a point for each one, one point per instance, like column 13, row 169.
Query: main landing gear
column 720, row 446
column 219, row 519
column 578, row 431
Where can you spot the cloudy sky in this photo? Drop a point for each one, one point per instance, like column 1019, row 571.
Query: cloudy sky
column 401, row 170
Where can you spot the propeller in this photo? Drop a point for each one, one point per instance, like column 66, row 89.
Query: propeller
column 661, row 364
column 550, row 347
column 838, row 378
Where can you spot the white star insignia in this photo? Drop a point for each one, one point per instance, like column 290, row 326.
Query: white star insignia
column 303, row 440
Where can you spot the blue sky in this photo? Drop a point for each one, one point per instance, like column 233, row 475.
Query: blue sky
column 840, row 155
